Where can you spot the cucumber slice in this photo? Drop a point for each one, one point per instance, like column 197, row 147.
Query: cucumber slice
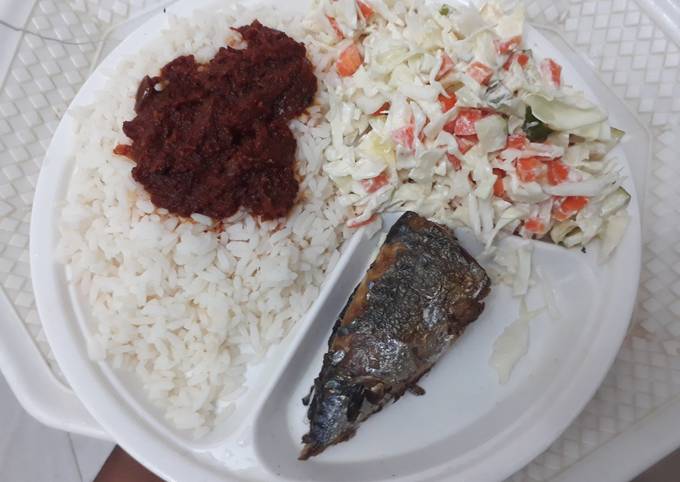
column 601, row 149
column 562, row 230
column 574, row 238
column 615, row 202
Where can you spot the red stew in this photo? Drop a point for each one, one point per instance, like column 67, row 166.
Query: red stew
column 209, row 138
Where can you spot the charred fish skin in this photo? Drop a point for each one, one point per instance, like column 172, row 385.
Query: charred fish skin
column 416, row 299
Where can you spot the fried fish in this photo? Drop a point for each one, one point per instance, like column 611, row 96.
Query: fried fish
column 416, row 299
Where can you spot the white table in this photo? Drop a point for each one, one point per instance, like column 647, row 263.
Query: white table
column 633, row 47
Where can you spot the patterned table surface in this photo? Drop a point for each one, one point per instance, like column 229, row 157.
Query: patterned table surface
column 632, row 45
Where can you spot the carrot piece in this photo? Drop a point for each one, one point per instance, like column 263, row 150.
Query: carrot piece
column 465, row 143
column 517, row 141
column 552, row 70
column 447, row 103
column 534, row 225
column 498, row 186
column 521, row 58
column 384, row 109
column 404, row 136
column 455, row 162
column 480, row 72
column 123, row 150
column 575, row 203
column 336, row 27
column 349, row 61
column 557, row 172
column 375, row 183
column 362, row 223
column 464, row 123
column 365, row 9
column 509, row 45
column 566, row 207
column 530, row 169
column 447, row 65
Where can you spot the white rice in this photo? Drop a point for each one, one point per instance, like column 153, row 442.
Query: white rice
column 185, row 308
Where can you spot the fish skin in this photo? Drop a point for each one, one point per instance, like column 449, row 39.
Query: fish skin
column 416, row 299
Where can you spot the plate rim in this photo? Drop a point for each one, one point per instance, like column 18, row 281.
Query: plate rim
column 126, row 426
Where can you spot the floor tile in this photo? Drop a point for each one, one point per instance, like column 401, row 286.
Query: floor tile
column 90, row 455
column 30, row 451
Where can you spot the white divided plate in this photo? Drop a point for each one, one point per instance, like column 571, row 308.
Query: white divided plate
column 466, row 427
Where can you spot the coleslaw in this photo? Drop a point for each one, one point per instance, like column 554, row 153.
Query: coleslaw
column 440, row 109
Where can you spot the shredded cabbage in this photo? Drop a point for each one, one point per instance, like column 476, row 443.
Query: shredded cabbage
column 569, row 113
column 513, row 343
column 615, row 228
column 492, row 132
column 521, row 282
column 433, row 121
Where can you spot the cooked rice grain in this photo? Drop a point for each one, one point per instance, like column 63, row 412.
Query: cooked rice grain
column 185, row 308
